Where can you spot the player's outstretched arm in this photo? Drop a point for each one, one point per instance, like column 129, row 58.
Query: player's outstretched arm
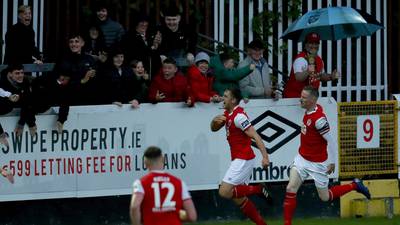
column 189, row 213
column 134, row 210
column 217, row 123
column 252, row 133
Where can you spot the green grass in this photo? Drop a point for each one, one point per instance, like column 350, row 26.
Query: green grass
column 313, row 221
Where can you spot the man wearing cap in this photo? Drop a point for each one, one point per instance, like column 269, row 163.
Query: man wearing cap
column 307, row 69
column 201, row 80
column 258, row 83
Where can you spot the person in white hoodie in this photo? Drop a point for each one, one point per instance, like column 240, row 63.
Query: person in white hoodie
column 258, row 83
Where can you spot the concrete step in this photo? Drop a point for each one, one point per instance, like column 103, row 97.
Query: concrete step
column 380, row 190
column 387, row 207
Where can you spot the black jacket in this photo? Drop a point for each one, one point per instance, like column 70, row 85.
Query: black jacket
column 20, row 45
column 76, row 66
column 22, row 89
column 124, row 87
column 136, row 48
column 178, row 44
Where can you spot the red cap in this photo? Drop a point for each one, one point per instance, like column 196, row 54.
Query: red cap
column 313, row 38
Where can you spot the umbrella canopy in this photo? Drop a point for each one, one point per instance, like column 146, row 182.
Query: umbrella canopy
column 333, row 23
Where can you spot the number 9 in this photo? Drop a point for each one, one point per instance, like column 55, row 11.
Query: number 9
column 368, row 128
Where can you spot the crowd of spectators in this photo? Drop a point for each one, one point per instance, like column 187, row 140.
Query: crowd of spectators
column 106, row 64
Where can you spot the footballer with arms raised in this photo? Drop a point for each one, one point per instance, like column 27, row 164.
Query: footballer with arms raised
column 240, row 133
column 160, row 198
column 316, row 157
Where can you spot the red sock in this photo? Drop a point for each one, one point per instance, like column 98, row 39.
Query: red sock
column 339, row 190
column 250, row 210
column 240, row 191
column 289, row 205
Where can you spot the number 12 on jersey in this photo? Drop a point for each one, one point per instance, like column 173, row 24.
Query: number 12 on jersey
column 368, row 131
column 163, row 203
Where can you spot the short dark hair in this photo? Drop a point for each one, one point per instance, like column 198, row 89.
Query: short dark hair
column 116, row 51
column 75, row 35
column 15, row 66
column 152, row 153
column 236, row 93
column 170, row 10
column 23, row 8
column 225, row 57
column 169, row 60
column 141, row 17
column 256, row 44
column 135, row 62
column 312, row 90
column 102, row 4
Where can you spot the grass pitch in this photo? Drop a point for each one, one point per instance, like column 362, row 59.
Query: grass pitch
column 322, row 221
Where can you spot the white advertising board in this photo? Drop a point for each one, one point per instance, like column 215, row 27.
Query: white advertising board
column 100, row 151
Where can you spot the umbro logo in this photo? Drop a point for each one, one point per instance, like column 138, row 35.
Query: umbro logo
column 275, row 130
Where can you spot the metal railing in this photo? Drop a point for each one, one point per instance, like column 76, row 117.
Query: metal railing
column 31, row 68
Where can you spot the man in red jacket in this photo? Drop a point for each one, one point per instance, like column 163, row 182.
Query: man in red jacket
column 307, row 69
column 170, row 85
column 201, row 80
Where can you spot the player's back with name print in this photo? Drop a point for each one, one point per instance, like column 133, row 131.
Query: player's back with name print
column 162, row 198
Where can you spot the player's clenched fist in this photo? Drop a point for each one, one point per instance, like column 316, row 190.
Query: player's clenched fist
column 218, row 122
column 265, row 162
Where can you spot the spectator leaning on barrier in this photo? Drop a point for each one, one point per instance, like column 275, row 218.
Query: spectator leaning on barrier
column 18, row 89
column 142, row 80
column 49, row 90
column 122, row 81
column 82, row 68
column 307, row 69
column 143, row 45
column 178, row 41
column 20, row 40
column 258, row 83
column 226, row 75
column 112, row 30
column 200, row 80
column 170, row 85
